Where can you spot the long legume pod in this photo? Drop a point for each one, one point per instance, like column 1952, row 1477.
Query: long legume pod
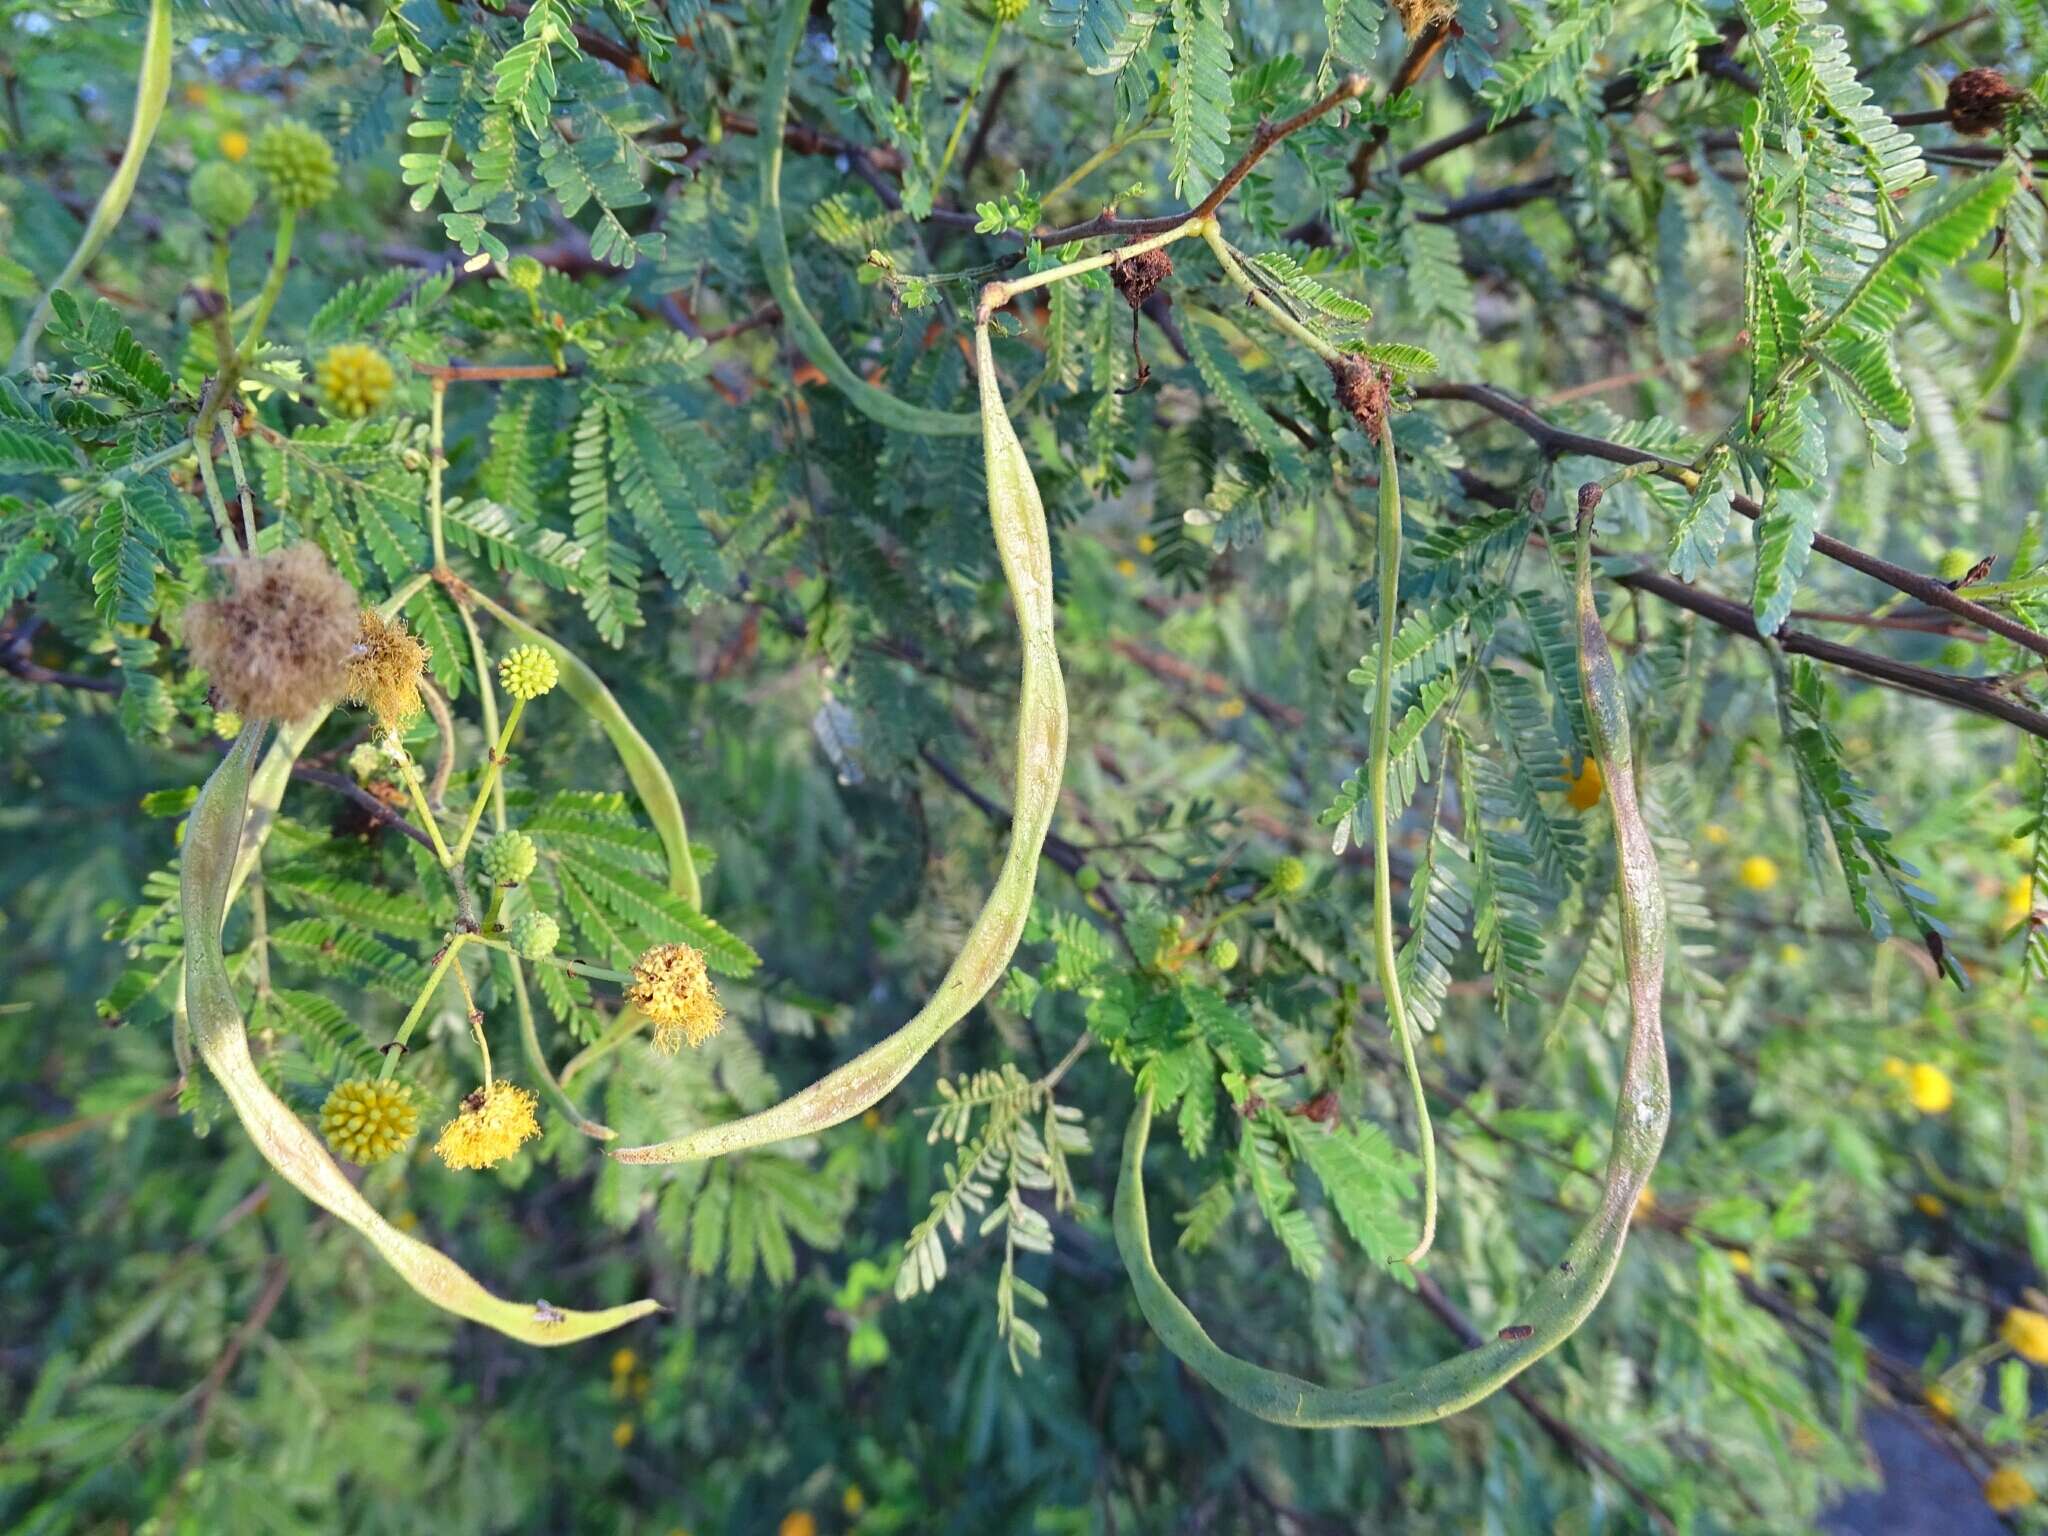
column 1568, row 1293
column 773, row 242
column 1017, row 518
column 212, row 838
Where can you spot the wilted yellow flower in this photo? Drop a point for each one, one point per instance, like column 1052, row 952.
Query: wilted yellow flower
column 673, row 988
column 385, row 668
column 1582, row 789
column 1929, row 1089
column 366, row 1121
column 1929, row 1206
column 276, row 641
column 234, row 144
column 622, row 1433
column 1758, row 872
column 494, row 1123
column 2007, row 1490
column 2026, row 1332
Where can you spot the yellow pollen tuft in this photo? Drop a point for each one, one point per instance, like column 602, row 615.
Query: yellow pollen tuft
column 234, row 144
column 673, row 988
column 2026, row 1333
column 2007, row 1490
column 385, row 668
column 1758, row 872
column 354, row 380
column 1582, row 789
column 1929, row 1089
column 494, row 1123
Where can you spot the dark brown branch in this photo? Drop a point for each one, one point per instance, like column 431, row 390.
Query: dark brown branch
column 1586, row 1452
column 349, row 789
column 31, row 672
column 1006, row 80
column 1498, row 199
column 486, row 373
column 1350, row 88
column 1555, row 440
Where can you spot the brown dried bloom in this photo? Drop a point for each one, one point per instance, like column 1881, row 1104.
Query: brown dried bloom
column 672, row 987
column 276, row 641
column 1977, row 100
column 1138, row 277
column 1361, row 390
column 384, row 669
column 1417, row 15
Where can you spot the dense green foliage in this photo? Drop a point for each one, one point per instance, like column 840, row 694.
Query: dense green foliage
column 626, row 351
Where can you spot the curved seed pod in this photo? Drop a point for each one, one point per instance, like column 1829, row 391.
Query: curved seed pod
column 1018, row 520
column 1566, row 1296
column 651, row 782
column 803, row 326
column 212, row 836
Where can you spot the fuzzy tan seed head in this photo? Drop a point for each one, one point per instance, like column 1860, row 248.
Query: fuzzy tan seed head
column 673, row 988
column 1978, row 99
column 1419, row 15
column 385, row 668
column 1138, row 277
column 276, row 641
column 1362, row 391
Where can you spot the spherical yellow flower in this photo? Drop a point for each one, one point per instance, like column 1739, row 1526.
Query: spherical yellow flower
column 1928, row 1089
column 1008, row 11
column 1715, row 834
column 528, row 671
column 227, row 725
column 1127, row 568
column 2026, row 1333
column 2007, row 1490
column 2019, row 900
column 1646, row 1203
column 366, row 1121
column 1758, row 872
column 1582, row 789
column 1791, row 954
column 1940, row 1404
column 798, row 1522
column 853, row 1502
column 1146, row 543
column 385, row 668
column 1740, row 1262
column 354, row 380
column 1930, row 1206
column 494, row 1123
column 1892, row 1066
column 623, row 1361
column 298, row 163
column 672, row 986
column 234, row 144
column 622, row 1433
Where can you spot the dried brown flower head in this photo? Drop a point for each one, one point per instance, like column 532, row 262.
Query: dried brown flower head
column 1418, row 15
column 1362, row 391
column 276, row 641
column 672, row 987
column 384, row 669
column 1138, row 277
column 1977, row 101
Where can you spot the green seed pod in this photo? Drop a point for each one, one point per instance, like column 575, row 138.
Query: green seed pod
column 508, row 858
column 527, row 672
column 534, row 935
column 297, row 162
column 221, row 195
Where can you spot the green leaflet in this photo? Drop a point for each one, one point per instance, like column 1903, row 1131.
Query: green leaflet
column 877, row 404
column 1569, row 1293
column 1017, row 518
column 650, row 780
column 212, row 841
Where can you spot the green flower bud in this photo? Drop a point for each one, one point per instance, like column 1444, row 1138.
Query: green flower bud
column 221, row 195
column 1289, row 876
column 524, row 273
column 1954, row 563
column 1223, row 954
column 366, row 1120
column 534, row 935
column 365, row 761
column 527, row 672
column 1088, row 878
column 227, row 725
column 1958, row 654
column 1009, row 11
column 509, row 858
column 297, row 162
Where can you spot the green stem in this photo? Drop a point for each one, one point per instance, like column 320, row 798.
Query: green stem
column 273, row 285
column 490, row 783
column 1212, row 234
column 1095, row 162
column 487, row 698
column 223, row 524
column 419, row 1004
column 410, row 775
column 1389, row 560
column 573, row 967
column 996, row 295
column 988, row 53
column 628, row 1024
column 152, row 89
column 437, row 461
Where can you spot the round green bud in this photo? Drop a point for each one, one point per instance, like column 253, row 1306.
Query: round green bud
column 221, row 195
column 1289, row 876
column 524, row 273
column 297, row 162
column 365, row 761
column 1223, row 954
column 227, row 725
column 1957, row 654
column 509, row 858
column 1088, row 878
column 1955, row 564
column 1009, row 11
column 527, row 672
column 534, row 935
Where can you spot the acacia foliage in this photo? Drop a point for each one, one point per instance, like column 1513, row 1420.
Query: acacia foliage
column 1704, row 209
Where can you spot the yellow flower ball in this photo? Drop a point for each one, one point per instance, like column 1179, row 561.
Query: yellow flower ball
column 1740, row 1262
column 494, row 1124
column 2007, row 1490
column 1791, row 954
column 1928, row 1089
column 1146, row 543
column 2026, row 1334
column 354, row 380
column 1127, row 568
column 622, row 1433
column 366, row 1121
column 1582, row 789
column 853, row 1502
column 623, row 1361
column 673, row 987
column 1930, row 1206
column 234, row 144
column 2019, row 900
column 385, row 668
column 528, row 671
column 1892, row 1066
column 1715, row 834
column 1758, row 872
column 798, row 1522
column 1940, row 1404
